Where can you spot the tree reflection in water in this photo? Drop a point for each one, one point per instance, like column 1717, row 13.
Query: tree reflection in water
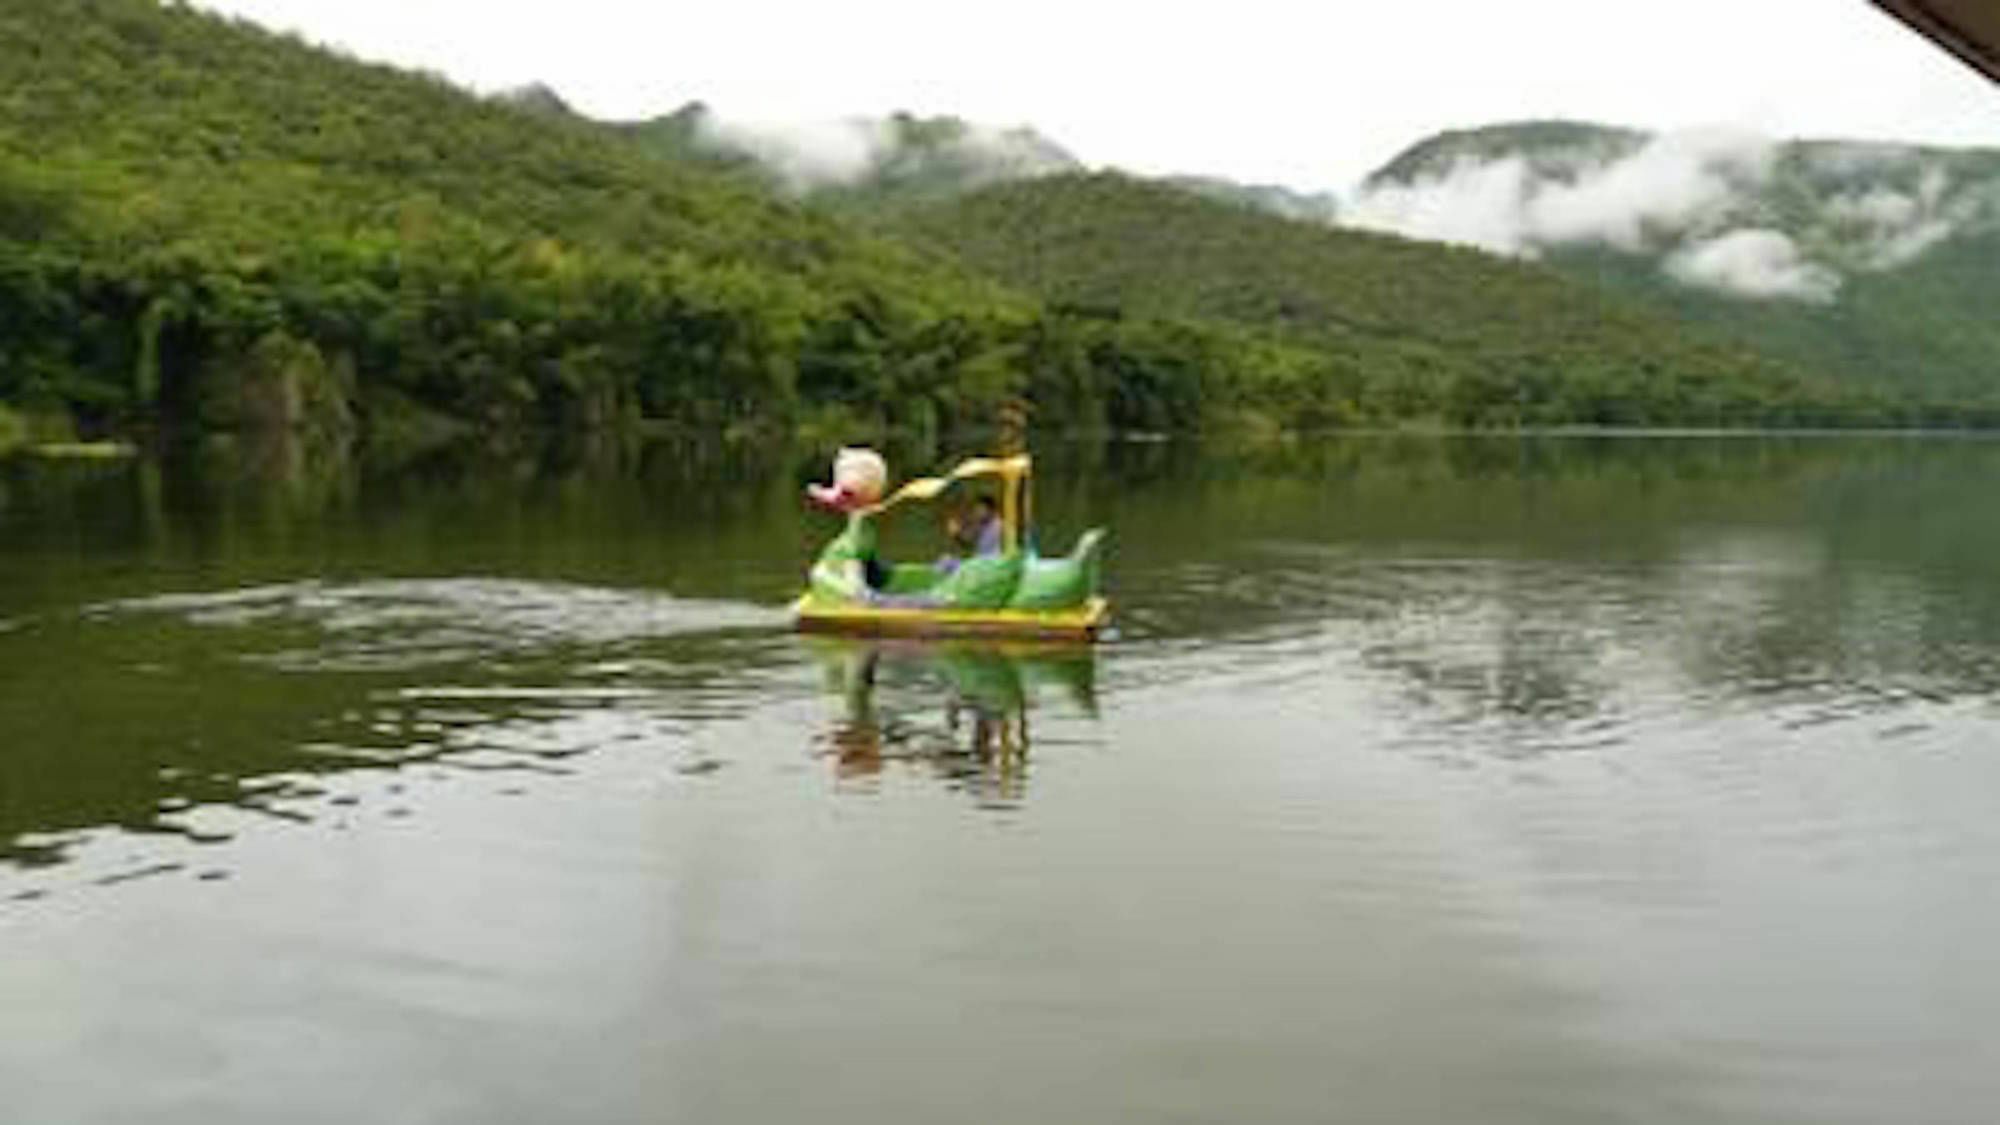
column 959, row 709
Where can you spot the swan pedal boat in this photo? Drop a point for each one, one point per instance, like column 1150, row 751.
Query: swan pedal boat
column 1016, row 593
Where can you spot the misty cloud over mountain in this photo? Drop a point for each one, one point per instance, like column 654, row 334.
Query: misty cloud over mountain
column 1722, row 211
column 843, row 152
column 1728, row 211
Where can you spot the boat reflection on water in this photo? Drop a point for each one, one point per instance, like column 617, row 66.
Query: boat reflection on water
column 958, row 708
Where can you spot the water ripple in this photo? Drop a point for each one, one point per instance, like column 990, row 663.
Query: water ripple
column 405, row 623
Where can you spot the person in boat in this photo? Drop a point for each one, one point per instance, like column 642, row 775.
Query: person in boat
column 976, row 533
column 984, row 531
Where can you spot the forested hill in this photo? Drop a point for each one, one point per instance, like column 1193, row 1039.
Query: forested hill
column 1402, row 328
column 207, row 226
column 161, row 126
column 207, row 223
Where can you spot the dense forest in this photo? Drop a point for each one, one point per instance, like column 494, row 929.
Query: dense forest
column 206, row 226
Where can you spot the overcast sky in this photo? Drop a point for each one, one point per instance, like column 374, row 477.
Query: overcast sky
column 1309, row 94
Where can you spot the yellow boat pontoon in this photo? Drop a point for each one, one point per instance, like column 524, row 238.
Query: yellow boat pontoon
column 1006, row 590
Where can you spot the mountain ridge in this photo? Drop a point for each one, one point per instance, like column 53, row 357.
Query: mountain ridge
column 1872, row 262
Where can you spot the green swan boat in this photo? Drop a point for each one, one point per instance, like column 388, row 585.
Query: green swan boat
column 1016, row 592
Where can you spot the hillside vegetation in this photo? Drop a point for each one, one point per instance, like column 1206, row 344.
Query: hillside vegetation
column 206, row 226
column 1394, row 329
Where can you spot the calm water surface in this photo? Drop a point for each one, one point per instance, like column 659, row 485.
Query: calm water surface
column 1459, row 780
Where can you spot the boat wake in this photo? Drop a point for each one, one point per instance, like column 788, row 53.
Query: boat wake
column 405, row 623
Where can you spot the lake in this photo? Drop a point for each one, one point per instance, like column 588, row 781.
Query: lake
column 1538, row 780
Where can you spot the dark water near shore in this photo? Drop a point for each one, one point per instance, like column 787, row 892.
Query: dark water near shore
column 1426, row 780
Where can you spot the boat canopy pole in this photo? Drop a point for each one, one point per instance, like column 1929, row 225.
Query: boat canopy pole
column 1010, row 503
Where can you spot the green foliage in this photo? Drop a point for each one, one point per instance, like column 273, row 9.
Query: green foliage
column 1924, row 330
column 188, row 205
column 13, row 430
column 1311, row 324
column 1317, row 207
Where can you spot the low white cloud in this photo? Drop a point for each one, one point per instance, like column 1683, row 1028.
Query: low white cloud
column 1894, row 227
column 1753, row 262
column 814, row 154
column 1015, row 153
column 804, row 154
column 1878, row 207
column 1512, row 206
column 1670, row 184
column 1709, row 202
column 1475, row 203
